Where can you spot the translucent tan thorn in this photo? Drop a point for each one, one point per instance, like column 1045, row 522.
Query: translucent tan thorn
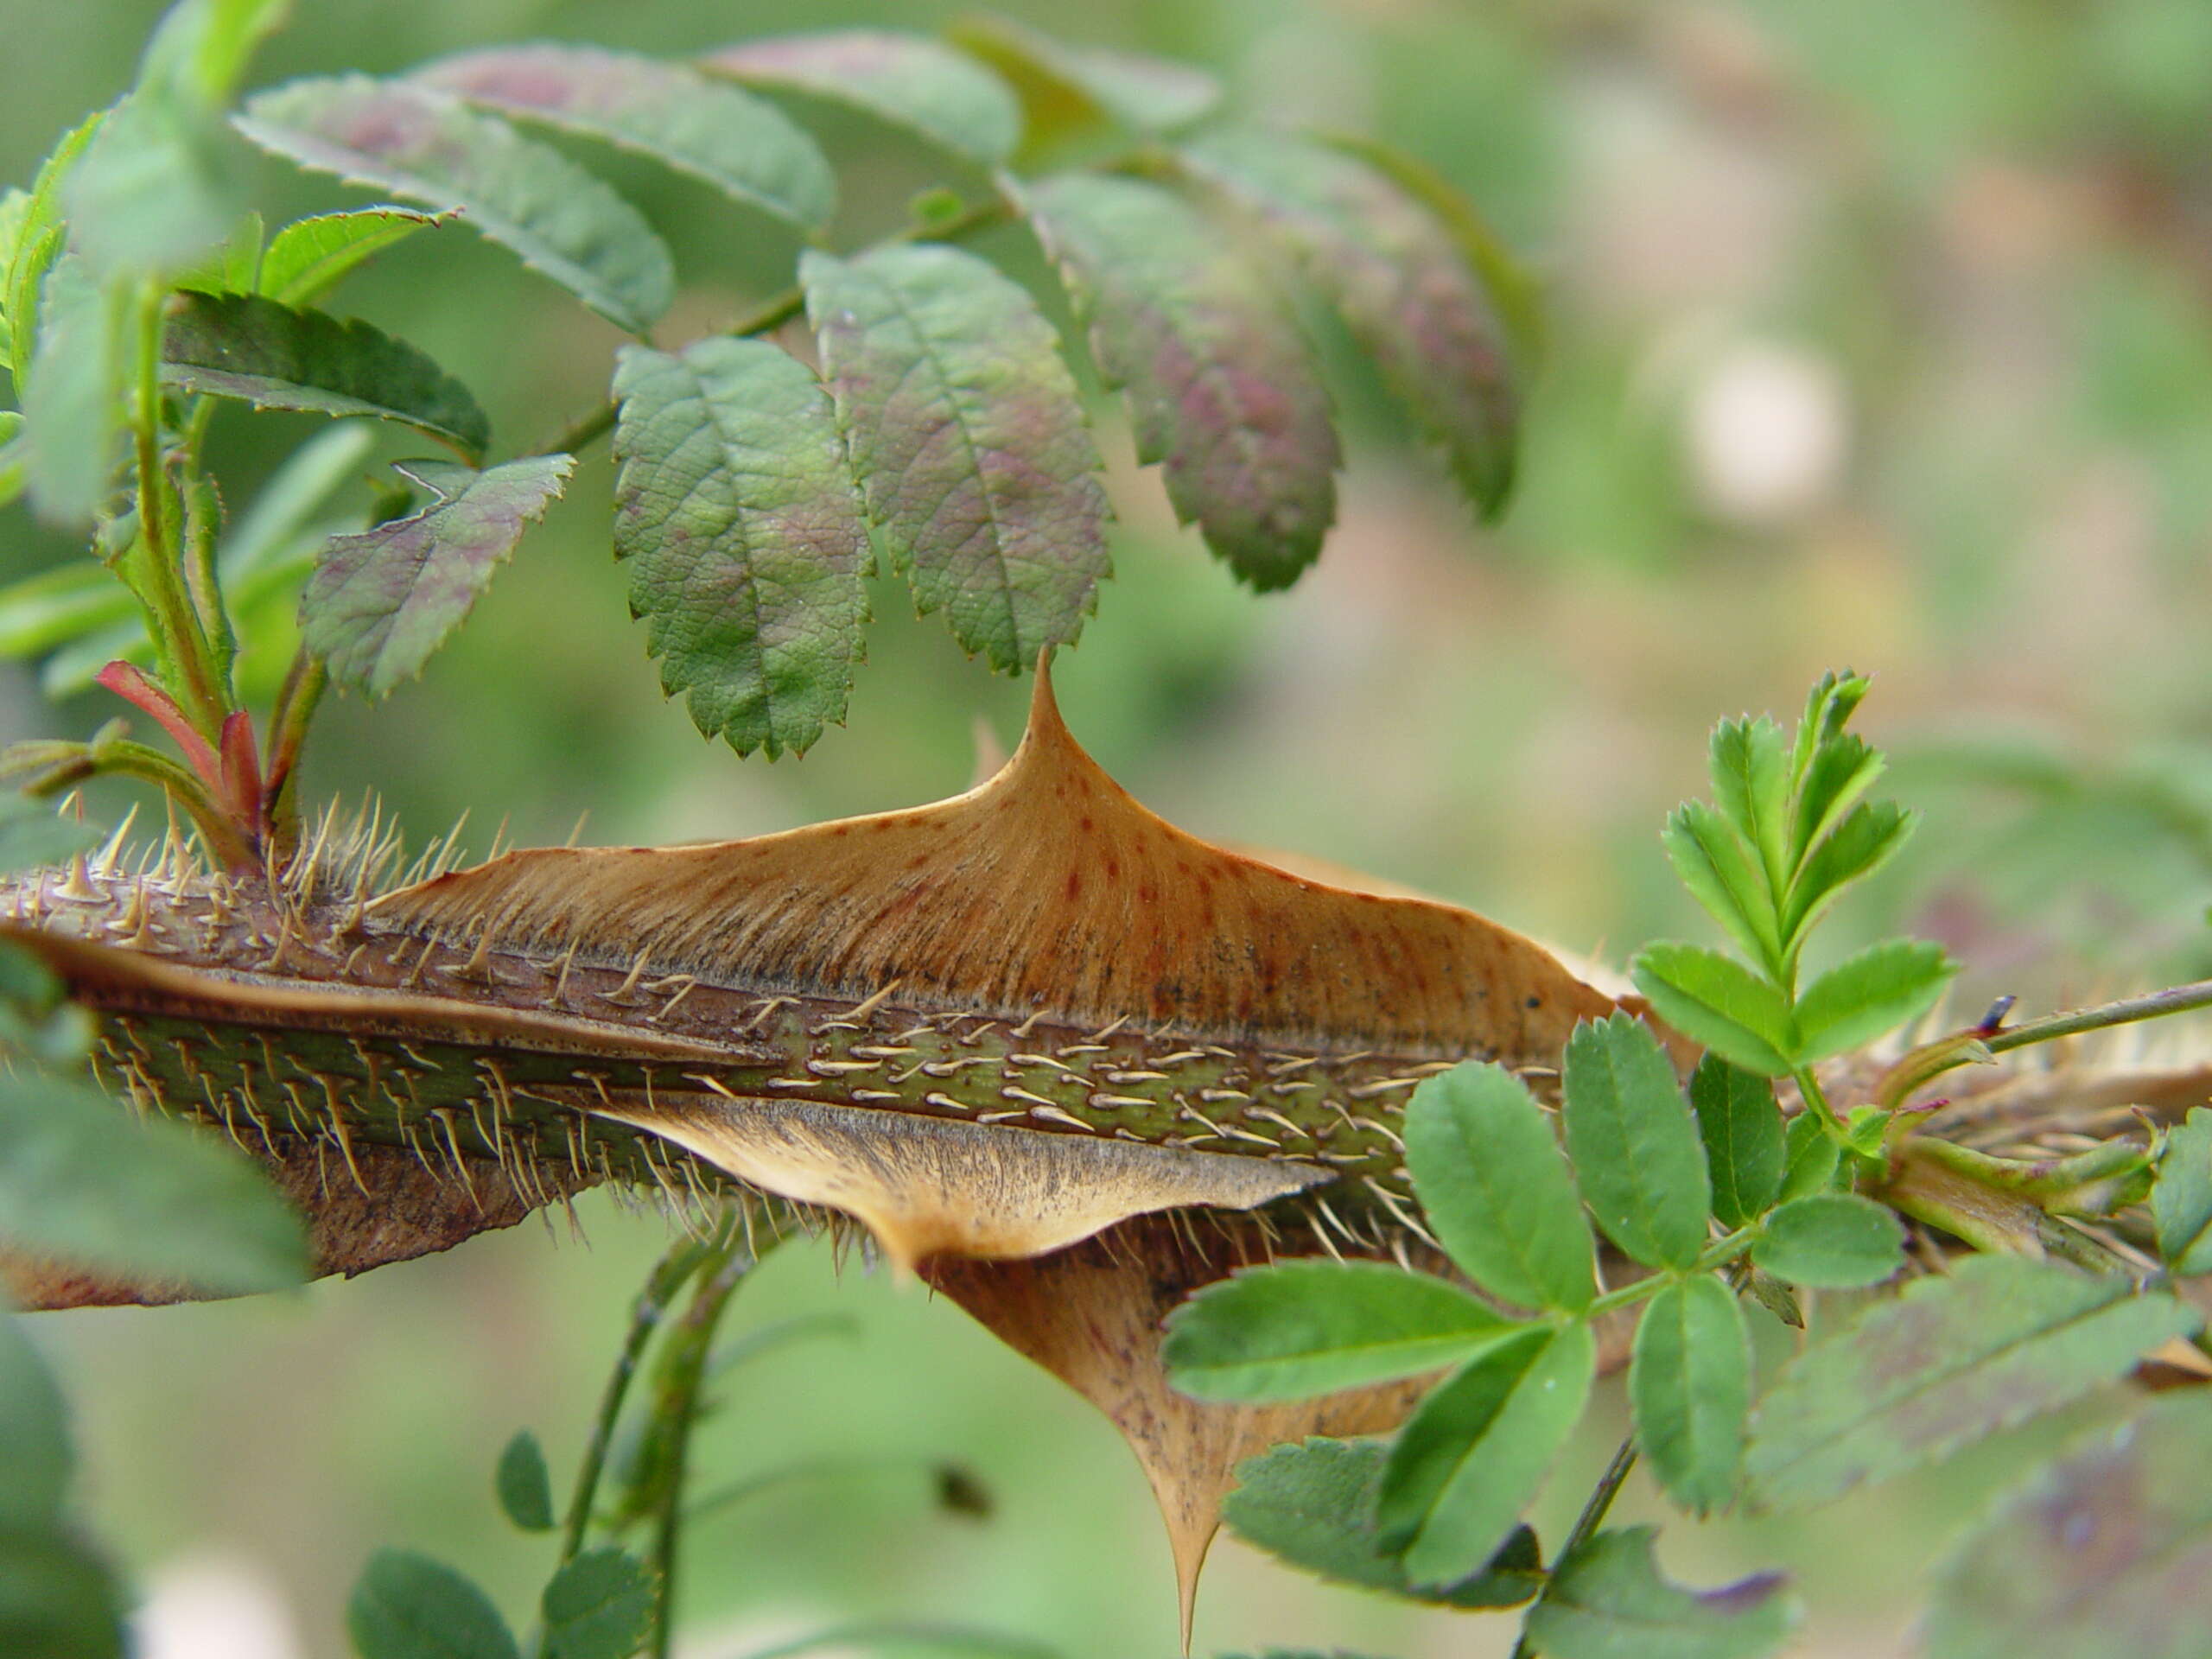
column 104, row 860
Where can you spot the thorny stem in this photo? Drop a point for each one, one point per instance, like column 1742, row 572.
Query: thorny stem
column 2155, row 1005
column 776, row 312
column 64, row 764
column 677, row 1264
column 1585, row 1526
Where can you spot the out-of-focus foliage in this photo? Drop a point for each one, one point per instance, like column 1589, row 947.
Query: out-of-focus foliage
column 1877, row 334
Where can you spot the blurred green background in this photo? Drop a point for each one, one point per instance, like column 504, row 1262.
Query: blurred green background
column 1879, row 337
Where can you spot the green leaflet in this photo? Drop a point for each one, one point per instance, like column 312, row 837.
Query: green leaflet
column 155, row 190
column 1065, row 88
column 1831, row 1241
column 37, row 244
column 1489, row 1172
column 74, row 407
column 1301, row 1328
column 42, row 611
column 1811, row 1158
column 1751, row 783
column 2181, row 1198
column 1719, row 1002
column 2102, row 1554
column 1221, row 384
column 1402, row 283
column 1313, row 1505
column 909, row 80
column 1689, row 1382
column 1875, row 991
column 747, row 552
column 380, row 602
column 598, row 1606
column 428, row 148
column 274, row 357
column 1719, row 868
column 1471, row 1459
column 56, row 1598
column 968, row 441
column 1949, row 1360
column 83, row 1181
column 1607, row 1600
column 308, row 258
column 523, row 1484
column 1744, row 1152
column 408, row 1606
column 745, row 147
column 34, row 1445
column 1633, row 1143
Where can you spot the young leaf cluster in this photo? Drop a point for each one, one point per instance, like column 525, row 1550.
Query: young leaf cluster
column 1787, row 832
column 1703, row 1196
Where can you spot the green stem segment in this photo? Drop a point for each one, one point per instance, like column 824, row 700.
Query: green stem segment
column 204, row 700
column 667, row 1278
column 1585, row 1527
column 678, row 1379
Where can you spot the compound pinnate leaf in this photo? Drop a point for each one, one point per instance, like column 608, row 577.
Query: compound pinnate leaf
column 1221, row 386
column 1400, row 280
column 745, row 147
column 524, row 1488
column 1313, row 1505
column 1719, row 1002
column 308, row 258
column 1689, row 1382
column 380, row 602
column 598, row 1606
column 2181, row 1198
column 1608, row 1600
column 1633, row 1143
column 1869, row 995
column 1301, row 1328
column 910, row 81
column 967, row 439
column 1471, row 1459
column 408, row 1606
column 427, row 147
column 1831, row 1241
column 1745, row 1151
column 2101, row 1555
column 1490, row 1173
column 737, row 512
column 1996, row 1341
column 270, row 355
column 83, row 1181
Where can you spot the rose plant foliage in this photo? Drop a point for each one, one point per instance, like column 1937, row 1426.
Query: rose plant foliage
column 1448, row 1184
